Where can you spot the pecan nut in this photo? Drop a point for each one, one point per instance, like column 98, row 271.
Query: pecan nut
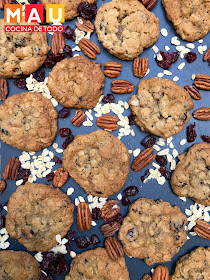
column 60, row 177
column 206, row 56
column 202, row 81
column 2, row 186
column 83, row 216
column 57, row 43
column 79, row 118
column 149, row 4
column 114, row 248
column 202, row 114
column 146, row 277
column 112, row 69
column 202, row 229
column 160, row 273
column 110, row 210
column 140, row 67
column 110, row 229
column 11, row 169
column 3, row 89
column 108, row 122
column 143, row 159
column 84, row 25
column 89, row 48
column 193, row 92
column 122, row 86
column 3, row 2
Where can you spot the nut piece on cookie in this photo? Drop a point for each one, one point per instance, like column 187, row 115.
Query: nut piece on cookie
column 153, row 231
column 191, row 176
column 98, row 162
column 36, row 214
column 161, row 107
column 125, row 28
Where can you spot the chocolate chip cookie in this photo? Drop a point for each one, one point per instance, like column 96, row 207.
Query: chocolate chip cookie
column 125, row 28
column 153, row 231
column 161, row 107
column 22, row 53
column 18, row 265
column 191, row 18
column 96, row 264
column 77, row 82
column 28, row 121
column 36, row 214
column 98, row 162
column 191, row 176
column 193, row 266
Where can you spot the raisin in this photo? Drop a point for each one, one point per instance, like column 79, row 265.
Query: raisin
column 161, row 160
column 82, row 242
column 95, row 240
column 69, row 33
column 20, row 83
column 148, row 141
column 32, row 1
column 191, row 133
column 86, row 10
column 109, row 98
column 57, row 160
column 54, row 263
column 131, row 191
column 131, row 119
column 67, row 141
column 23, row 174
column 70, row 236
column 96, row 213
column 65, row 132
column 63, row 113
column 167, row 59
column 50, row 176
column 164, row 172
column 67, row 49
column 145, row 175
column 125, row 201
column 191, row 56
column 206, row 138
column 49, row 63
column 39, row 77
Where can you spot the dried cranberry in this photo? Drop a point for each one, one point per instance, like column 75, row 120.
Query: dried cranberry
column 58, row 264
column 45, row 277
column 23, row 174
column 165, row 172
column 65, row 132
column 39, row 77
column 86, row 10
column 95, row 240
column 32, row 1
column 109, row 98
column 67, row 49
column 148, row 141
column 96, row 213
column 119, row 218
column 63, row 113
column 191, row 56
column 161, row 160
column 125, row 201
column 69, row 33
column 2, row 221
column 50, row 176
column 131, row 191
column 191, row 133
column 70, row 236
column 167, row 59
column 67, row 141
column 57, row 160
column 206, row 138
column 47, row 259
column 131, row 119
column 145, row 175
column 58, row 57
column 49, row 63
column 82, row 242
column 20, row 83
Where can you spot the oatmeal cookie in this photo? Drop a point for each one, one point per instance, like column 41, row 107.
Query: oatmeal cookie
column 191, row 176
column 36, row 214
column 18, row 265
column 28, row 121
column 77, row 82
column 191, row 18
column 126, row 27
column 153, row 231
column 161, row 107
column 70, row 6
column 98, row 162
column 193, row 266
column 96, row 264
column 21, row 53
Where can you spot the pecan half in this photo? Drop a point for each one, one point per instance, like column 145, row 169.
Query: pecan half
column 110, row 209
column 3, row 2
column 60, row 177
column 202, row 114
column 108, row 122
column 206, row 56
column 11, row 169
column 143, row 159
column 110, row 229
column 160, row 273
column 114, row 248
column 112, row 69
column 149, row 4
column 79, row 118
column 122, row 86
column 193, row 92
column 89, row 48
column 2, row 186
column 202, row 229
column 140, row 67
column 202, row 81
column 84, row 25
column 146, row 277
column 57, row 43
column 3, row 89
column 83, row 216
